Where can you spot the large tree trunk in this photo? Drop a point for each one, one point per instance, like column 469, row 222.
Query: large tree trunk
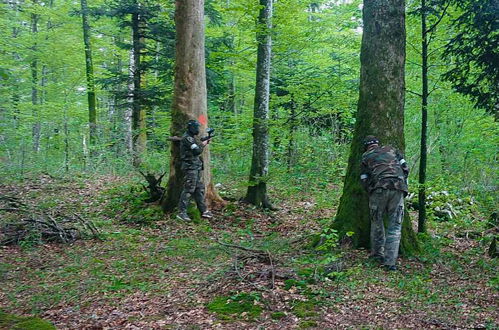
column 424, row 121
column 380, row 112
column 257, row 189
column 92, row 112
column 189, row 99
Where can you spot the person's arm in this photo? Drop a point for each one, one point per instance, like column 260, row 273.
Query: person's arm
column 194, row 147
column 403, row 164
column 364, row 175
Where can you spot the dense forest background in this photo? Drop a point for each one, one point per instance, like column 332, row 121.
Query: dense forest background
column 87, row 108
column 314, row 89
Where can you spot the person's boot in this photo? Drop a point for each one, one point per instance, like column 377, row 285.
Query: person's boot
column 390, row 268
column 183, row 216
column 207, row 214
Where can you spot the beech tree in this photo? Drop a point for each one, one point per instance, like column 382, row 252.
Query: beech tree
column 257, row 189
column 380, row 111
column 92, row 113
column 189, row 96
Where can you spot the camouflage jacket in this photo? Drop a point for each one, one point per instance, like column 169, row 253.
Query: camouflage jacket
column 384, row 167
column 190, row 153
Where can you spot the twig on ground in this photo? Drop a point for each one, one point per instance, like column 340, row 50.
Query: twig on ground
column 273, row 269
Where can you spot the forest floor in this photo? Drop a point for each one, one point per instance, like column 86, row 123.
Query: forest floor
column 150, row 271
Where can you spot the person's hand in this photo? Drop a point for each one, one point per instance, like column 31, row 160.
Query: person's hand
column 206, row 142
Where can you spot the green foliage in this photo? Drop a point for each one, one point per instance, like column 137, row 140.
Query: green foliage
column 303, row 309
column 126, row 203
column 277, row 315
column 306, row 324
column 473, row 50
column 238, row 306
column 32, row 239
column 14, row 322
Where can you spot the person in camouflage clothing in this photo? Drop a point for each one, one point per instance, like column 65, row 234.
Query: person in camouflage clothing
column 192, row 167
column 384, row 175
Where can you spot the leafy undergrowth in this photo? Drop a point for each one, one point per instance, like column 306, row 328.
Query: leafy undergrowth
column 243, row 269
column 10, row 321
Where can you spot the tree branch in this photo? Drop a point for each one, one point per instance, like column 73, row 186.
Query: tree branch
column 415, row 93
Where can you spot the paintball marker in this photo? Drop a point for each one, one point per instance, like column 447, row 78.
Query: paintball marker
column 211, row 133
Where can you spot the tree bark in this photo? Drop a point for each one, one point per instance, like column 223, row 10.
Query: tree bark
column 380, row 112
column 92, row 111
column 257, row 189
column 130, row 104
column 34, row 84
column 138, row 111
column 190, row 98
column 16, row 98
column 293, row 124
column 424, row 122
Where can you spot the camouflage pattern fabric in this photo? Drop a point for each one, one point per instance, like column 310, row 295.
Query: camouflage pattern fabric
column 193, row 186
column 390, row 201
column 384, row 167
column 190, row 153
column 192, row 166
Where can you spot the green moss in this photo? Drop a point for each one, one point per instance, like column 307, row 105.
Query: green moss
column 288, row 284
column 233, row 307
column 194, row 213
column 305, row 324
column 304, row 309
column 277, row 315
column 10, row 321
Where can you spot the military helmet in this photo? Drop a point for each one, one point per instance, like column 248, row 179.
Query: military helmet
column 193, row 127
column 193, row 123
column 370, row 139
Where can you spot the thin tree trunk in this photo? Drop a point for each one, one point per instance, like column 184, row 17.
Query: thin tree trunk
column 16, row 98
column 92, row 110
column 292, row 129
column 424, row 122
column 34, row 84
column 189, row 98
column 130, row 103
column 138, row 110
column 380, row 112
column 257, row 189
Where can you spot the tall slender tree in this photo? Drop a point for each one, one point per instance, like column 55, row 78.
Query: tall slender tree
column 92, row 111
column 189, row 98
column 35, row 80
column 439, row 10
column 138, row 109
column 257, row 189
column 380, row 111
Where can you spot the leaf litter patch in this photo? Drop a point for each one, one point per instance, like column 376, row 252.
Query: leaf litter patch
column 189, row 284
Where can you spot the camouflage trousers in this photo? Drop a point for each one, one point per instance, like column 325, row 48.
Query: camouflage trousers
column 193, row 187
column 390, row 202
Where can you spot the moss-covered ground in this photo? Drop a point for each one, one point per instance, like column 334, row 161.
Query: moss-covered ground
column 152, row 271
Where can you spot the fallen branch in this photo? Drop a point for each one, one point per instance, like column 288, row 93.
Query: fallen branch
column 39, row 227
column 273, row 270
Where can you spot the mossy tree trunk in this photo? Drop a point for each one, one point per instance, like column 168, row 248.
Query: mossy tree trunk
column 189, row 98
column 380, row 112
column 257, row 189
